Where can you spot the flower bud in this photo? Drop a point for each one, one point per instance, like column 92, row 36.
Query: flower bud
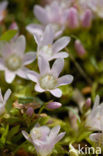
column 13, row 26
column 79, row 48
column 73, row 20
column 30, row 111
column 73, row 151
column 53, row 105
column 87, row 104
column 87, row 19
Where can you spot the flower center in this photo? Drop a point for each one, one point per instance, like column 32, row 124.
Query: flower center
column 13, row 62
column 47, row 50
column 36, row 133
column 48, row 82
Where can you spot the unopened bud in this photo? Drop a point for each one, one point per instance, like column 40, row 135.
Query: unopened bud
column 87, row 19
column 54, row 105
column 73, row 20
column 79, row 48
column 30, row 111
column 13, row 26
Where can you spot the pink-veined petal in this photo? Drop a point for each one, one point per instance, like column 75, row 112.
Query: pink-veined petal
column 43, row 65
column 29, row 57
column 57, row 67
column 60, row 44
column 41, row 14
column 64, row 80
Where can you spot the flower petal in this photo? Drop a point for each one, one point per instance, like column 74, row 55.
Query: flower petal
column 64, row 80
column 38, row 88
column 54, row 131
column 48, row 36
column 23, row 73
column 1, row 97
column 57, row 67
column 60, row 55
column 59, row 137
column 60, row 44
column 33, row 76
column 34, row 28
column 6, row 96
column 3, row 5
column 26, row 135
column 43, row 65
column 29, row 57
column 9, row 76
column 2, row 66
column 19, row 45
column 41, row 14
column 56, row 92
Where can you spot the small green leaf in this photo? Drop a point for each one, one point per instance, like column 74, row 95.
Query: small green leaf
column 8, row 35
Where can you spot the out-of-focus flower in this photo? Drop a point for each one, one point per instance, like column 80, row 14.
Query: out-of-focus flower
column 79, row 99
column 87, row 19
column 47, row 48
column 54, row 14
column 13, row 60
column 97, row 7
column 44, row 139
column 4, row 100
column 73, row 151
column 94, row 120
column 53, row 105
column 79, row 14
column 79, row 48
column 3, row 6
column 73, row 118
column 97, row 138
column 48, row 79
column 73, row 19
column 88, row 103
column 14, row 26
column 30, row 111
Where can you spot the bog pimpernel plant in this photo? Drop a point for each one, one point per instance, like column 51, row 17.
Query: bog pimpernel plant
column 51, row 71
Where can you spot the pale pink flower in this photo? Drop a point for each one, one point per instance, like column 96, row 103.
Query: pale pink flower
column 47, row 48
column 94, row 120
column 3, row 100
column 3, row 6
column 44, row 139
column 54, row 14
column 48, row 79
column 13, row 60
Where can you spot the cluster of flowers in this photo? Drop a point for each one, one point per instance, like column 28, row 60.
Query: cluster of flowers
column 64, row 13
column 54, row 18
column 13, row 61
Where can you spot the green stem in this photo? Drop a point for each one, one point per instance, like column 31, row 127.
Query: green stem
column 81, row 71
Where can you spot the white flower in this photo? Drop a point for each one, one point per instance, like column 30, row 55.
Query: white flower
column 44, row 139
column 13, row 60
column 4, row 100
column 47, row 48
column 48, row 79
column 95, row 119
